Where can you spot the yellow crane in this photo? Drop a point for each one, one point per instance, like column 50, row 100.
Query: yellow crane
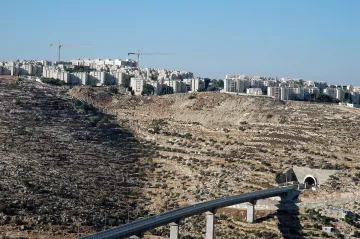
column 138, row 54
column 59, row 45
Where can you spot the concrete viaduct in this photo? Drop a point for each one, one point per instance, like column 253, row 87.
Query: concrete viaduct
column 137, row 228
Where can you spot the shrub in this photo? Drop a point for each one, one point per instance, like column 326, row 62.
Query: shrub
column 52, row 81
column 113, row 89
column 104, row 120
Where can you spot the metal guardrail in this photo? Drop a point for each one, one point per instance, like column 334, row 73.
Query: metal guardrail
column 143, row 225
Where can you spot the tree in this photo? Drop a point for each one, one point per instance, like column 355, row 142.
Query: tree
column 148, row 89
column 126, row 82
column 207, row 82
column 347, row 97
column 324, row 98
column 215, row 85
column 167, row 90
column 211, row 88
column 221, row 83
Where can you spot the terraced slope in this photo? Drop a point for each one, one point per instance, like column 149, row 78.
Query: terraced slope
column 216, row 144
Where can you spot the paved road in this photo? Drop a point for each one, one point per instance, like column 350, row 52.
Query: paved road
column 144, row 225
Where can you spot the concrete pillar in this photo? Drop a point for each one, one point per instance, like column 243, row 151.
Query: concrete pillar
column 174, row 230
column 250, row 212
column 138, row 236
column 210, row 225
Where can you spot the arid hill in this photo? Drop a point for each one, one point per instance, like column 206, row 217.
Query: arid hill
column 63, row 166
column 216, row 144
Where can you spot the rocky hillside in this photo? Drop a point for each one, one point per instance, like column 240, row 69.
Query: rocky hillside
column 215, row 144
column 63, row 164
column 205, row 108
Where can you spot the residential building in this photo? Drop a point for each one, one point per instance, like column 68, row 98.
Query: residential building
column 197, row 84
column 274, row 92
column 229, row 85
column 137, row 84
column 285, row 93
column 177, row 85
column 336, row 93
column 97, row 77
column 355, row 97
column 254, row 91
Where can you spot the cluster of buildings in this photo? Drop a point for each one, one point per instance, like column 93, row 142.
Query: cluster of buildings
column 178, row 85
column 84, row 77
column 290, row 88
column 22, row 67
column 99, row 64
column 125, row 72
column 117, row 72
column 106, row 72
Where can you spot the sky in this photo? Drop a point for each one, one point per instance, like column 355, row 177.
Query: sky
column 309, row 39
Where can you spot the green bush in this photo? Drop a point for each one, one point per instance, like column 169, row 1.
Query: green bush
column 104, row 120
column 113, row 89
column 52, row 81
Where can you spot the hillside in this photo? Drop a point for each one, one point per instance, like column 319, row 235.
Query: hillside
column 63, row 164
column 214, row 144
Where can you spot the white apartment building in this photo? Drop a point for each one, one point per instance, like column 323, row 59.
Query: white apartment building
column 235, row 85
column 230, row 76
column 56, row 73
column 297, row 93
column 256, row 83
column 229, row 85
column 98, row 63
column 97, row 77
column 79, row 78
column 336, row 93
column 254, row 91
column 286, row 93
column 356, row 88
column 177, row 85
column 197, row 84
column 274, row 92
column 137, row 85
column 355, row 97
column 119, row 77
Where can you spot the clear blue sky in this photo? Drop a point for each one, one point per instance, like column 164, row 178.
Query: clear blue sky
column 312, row 39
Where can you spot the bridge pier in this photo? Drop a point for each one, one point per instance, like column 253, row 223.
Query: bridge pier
column 210, row 225
column 250, row 212
column 174, row 230
column 137, row 236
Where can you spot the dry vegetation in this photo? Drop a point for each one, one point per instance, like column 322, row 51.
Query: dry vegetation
column 213, row 144
column 64, row 163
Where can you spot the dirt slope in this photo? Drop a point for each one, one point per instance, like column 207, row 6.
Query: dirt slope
column 215, row 144
column 61, row 169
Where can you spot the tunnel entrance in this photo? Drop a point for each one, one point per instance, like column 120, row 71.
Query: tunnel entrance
column 310, row 181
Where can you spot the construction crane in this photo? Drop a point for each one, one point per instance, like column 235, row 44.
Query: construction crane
column 138, row 54
column 59, row 45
